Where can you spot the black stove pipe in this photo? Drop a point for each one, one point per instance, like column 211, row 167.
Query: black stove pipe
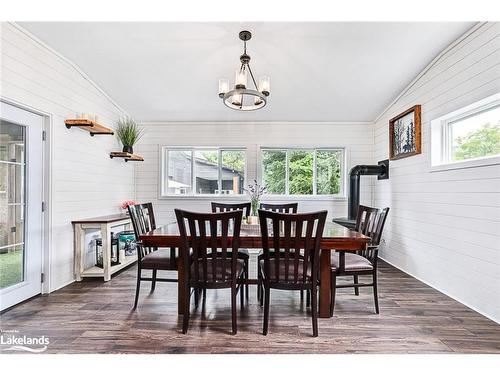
column 381, row 170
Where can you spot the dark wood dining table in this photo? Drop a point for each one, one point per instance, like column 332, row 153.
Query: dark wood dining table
column 335, row 237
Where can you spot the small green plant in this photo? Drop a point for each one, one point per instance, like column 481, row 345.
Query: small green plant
column 128, row 132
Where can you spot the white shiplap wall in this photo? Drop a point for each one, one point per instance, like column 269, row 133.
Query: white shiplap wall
column 85, row 182
column 356, row 137
column 444, row 227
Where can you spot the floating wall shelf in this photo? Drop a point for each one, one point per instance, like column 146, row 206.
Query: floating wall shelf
column 126, row 155
column 88, row 125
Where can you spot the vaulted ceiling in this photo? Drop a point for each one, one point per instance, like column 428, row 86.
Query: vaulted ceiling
column 338, row 71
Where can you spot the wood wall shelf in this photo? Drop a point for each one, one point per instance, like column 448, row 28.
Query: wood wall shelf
column 126, row 155
column 88, row 125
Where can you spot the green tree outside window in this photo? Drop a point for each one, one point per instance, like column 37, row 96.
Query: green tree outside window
column 482, row 142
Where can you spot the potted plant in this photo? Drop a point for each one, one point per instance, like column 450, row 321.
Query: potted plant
column 129, row 133
column 255, row 191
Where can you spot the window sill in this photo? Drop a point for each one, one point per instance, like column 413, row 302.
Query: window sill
column 246, row 198
column 472, row 163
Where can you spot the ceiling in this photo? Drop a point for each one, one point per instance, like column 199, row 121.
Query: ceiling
column 337, row 71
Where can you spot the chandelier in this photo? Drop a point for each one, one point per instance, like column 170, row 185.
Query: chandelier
column 241, row 97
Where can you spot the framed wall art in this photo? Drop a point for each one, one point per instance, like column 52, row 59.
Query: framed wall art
column 405, row 134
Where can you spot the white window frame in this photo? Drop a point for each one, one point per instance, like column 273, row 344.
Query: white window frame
column 442, row 139
column 314, row 195
column 163, row 188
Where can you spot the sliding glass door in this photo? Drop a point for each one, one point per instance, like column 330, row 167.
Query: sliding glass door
column 21, row 195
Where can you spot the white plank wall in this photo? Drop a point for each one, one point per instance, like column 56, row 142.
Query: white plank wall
column 444, row 227
column 356, row 137
column 85, row 181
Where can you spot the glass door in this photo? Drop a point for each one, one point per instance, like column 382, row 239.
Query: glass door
column 21, row 195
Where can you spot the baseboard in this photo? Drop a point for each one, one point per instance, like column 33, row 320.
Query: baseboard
column 446, row 294
column 61, row 286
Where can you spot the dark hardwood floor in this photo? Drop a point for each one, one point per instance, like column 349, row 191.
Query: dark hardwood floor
column 97, row 317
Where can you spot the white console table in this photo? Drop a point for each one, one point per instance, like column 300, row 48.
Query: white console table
column 105, row 225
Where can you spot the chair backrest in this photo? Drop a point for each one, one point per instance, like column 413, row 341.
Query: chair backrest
column 143, row 221
column 363, row 217
column 224, row 207
column 287, row 208
column 142, row 217
column 372, row 226
column 370, row 221
column 213, row 238
column 292, row 243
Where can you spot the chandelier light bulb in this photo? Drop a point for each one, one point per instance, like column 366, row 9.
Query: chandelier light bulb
column 265, row 85
column 223, row 86
column 241, row 79
column 236, row 100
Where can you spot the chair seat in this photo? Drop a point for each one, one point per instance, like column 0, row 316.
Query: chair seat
column 353, row 262
column 219, row 270
column 261, row 254
column 158, row 259
column 282, row 269
column 242, row 254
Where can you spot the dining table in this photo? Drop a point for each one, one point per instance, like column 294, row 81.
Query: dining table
column 335, row 238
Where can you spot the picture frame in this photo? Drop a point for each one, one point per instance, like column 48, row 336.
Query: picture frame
column 405, row 137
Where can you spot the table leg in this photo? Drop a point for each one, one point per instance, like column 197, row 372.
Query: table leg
column 181, row 288
column 79, row 251
column 106, row 251
column 324, row 286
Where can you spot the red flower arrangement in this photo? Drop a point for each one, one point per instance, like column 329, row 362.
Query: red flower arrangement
column 125, row 204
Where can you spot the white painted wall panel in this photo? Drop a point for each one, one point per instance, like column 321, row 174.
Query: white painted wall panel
column 85, row 181
column 357, row 138
column 444, row 227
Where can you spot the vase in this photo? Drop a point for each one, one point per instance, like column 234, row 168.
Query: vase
column 128, row 149
column 254, row 207
column 253, row 220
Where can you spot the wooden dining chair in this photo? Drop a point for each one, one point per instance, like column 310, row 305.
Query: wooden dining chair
column 203, row 235
column 287, row 208
column 370, row 221
column 242, row 253
column 291, row 246
column 149, row 258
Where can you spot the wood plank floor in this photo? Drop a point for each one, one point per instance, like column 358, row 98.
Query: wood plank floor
column 96, row 317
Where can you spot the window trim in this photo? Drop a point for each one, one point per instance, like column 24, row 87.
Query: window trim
column 343, row 168
column 163, row 194
column 442, row 141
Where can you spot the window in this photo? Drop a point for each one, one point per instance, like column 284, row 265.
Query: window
column 274, row 171
column 303, row 171
column 203, row 171
column 475, row 136
column 469, row 136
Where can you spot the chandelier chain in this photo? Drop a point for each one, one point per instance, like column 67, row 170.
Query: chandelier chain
column 253, row 79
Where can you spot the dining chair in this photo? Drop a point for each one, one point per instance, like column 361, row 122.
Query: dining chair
column 370, row 221
column 242, row 253
column 291, row 246
column 203, row 235
column 287, row 208
column 149, row 258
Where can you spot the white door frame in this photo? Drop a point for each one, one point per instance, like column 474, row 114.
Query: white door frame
column 46, row 188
